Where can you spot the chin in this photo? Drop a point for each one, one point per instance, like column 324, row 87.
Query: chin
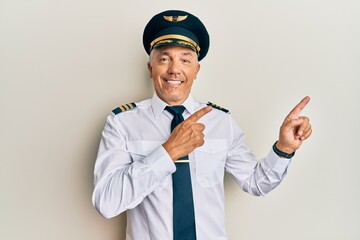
column 173, row 100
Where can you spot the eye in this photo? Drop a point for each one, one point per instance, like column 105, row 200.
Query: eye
column 164, row 59
column 186, row 61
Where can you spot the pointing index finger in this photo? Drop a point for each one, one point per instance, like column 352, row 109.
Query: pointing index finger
column 295, row 113
column 199, row 114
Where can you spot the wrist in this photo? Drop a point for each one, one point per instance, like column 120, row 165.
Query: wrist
column 170, row 151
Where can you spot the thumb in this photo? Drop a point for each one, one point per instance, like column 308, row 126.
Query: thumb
column 292, row 123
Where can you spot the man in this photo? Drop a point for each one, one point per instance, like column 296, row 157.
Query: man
column 167, row 172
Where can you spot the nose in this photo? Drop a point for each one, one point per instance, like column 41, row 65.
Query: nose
column 174, row 67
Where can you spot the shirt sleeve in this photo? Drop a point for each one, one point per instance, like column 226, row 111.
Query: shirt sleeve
column 255, row 177
column 120, row 182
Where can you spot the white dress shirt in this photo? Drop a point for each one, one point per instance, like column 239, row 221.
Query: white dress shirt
column 133, row 171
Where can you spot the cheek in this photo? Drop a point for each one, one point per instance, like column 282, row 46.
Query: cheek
column 157, row 82
column 156, row 72
column 192, row 74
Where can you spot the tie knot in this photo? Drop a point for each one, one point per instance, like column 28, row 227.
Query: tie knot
column 175, row 110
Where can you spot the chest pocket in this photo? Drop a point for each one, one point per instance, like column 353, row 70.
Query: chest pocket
column 210, row 162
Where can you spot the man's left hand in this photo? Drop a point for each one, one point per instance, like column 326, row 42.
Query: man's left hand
column 295, row 129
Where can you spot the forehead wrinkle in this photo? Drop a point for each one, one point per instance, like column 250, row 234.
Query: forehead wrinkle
column 164, row 51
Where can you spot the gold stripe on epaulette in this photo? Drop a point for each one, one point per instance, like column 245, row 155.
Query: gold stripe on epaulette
column 124, row 108
column 217, row 107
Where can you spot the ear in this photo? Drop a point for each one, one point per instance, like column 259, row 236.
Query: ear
column 150, row 69
column 197, row 70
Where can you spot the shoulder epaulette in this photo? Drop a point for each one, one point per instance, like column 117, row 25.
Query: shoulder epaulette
column 217, row 107
column 124, row 108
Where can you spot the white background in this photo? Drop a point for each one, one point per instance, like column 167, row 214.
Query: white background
column 64, row 65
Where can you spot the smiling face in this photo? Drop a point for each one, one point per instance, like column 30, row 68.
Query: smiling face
column 173, row 70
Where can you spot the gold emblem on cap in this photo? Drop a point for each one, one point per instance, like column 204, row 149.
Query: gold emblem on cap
column 175, row 18
column 175, row 36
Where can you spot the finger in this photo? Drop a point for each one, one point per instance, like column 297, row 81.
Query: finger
column 292, row 123
column 198, row 127
column 200, row 142
column 304, row 126
column 306, row 129
column 188, row 126
column 306, row 135
column 295, row 112
column 197, row 134
column 199, row 114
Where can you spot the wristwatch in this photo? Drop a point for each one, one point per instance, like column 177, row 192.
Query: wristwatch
column 281, row 153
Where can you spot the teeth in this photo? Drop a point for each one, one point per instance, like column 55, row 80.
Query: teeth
column 173, row 82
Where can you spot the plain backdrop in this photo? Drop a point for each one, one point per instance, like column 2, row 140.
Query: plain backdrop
column 65, row 64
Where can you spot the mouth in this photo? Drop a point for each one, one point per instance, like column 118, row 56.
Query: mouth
column 173, row 82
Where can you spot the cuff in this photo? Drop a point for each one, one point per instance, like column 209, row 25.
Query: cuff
column 162, row 165
column 276, row 163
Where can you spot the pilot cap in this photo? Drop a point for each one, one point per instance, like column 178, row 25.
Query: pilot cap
column 176, row 28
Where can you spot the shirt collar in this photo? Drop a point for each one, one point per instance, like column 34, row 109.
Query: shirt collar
column 158, row 105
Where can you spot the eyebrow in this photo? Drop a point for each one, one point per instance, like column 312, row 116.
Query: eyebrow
column 183, row 53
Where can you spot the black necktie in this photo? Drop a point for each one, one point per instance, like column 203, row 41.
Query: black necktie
column 183, row 206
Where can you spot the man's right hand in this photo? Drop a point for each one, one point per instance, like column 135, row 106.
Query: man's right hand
column 187, row 136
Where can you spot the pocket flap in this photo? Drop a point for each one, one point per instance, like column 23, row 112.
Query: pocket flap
column 213, row 146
